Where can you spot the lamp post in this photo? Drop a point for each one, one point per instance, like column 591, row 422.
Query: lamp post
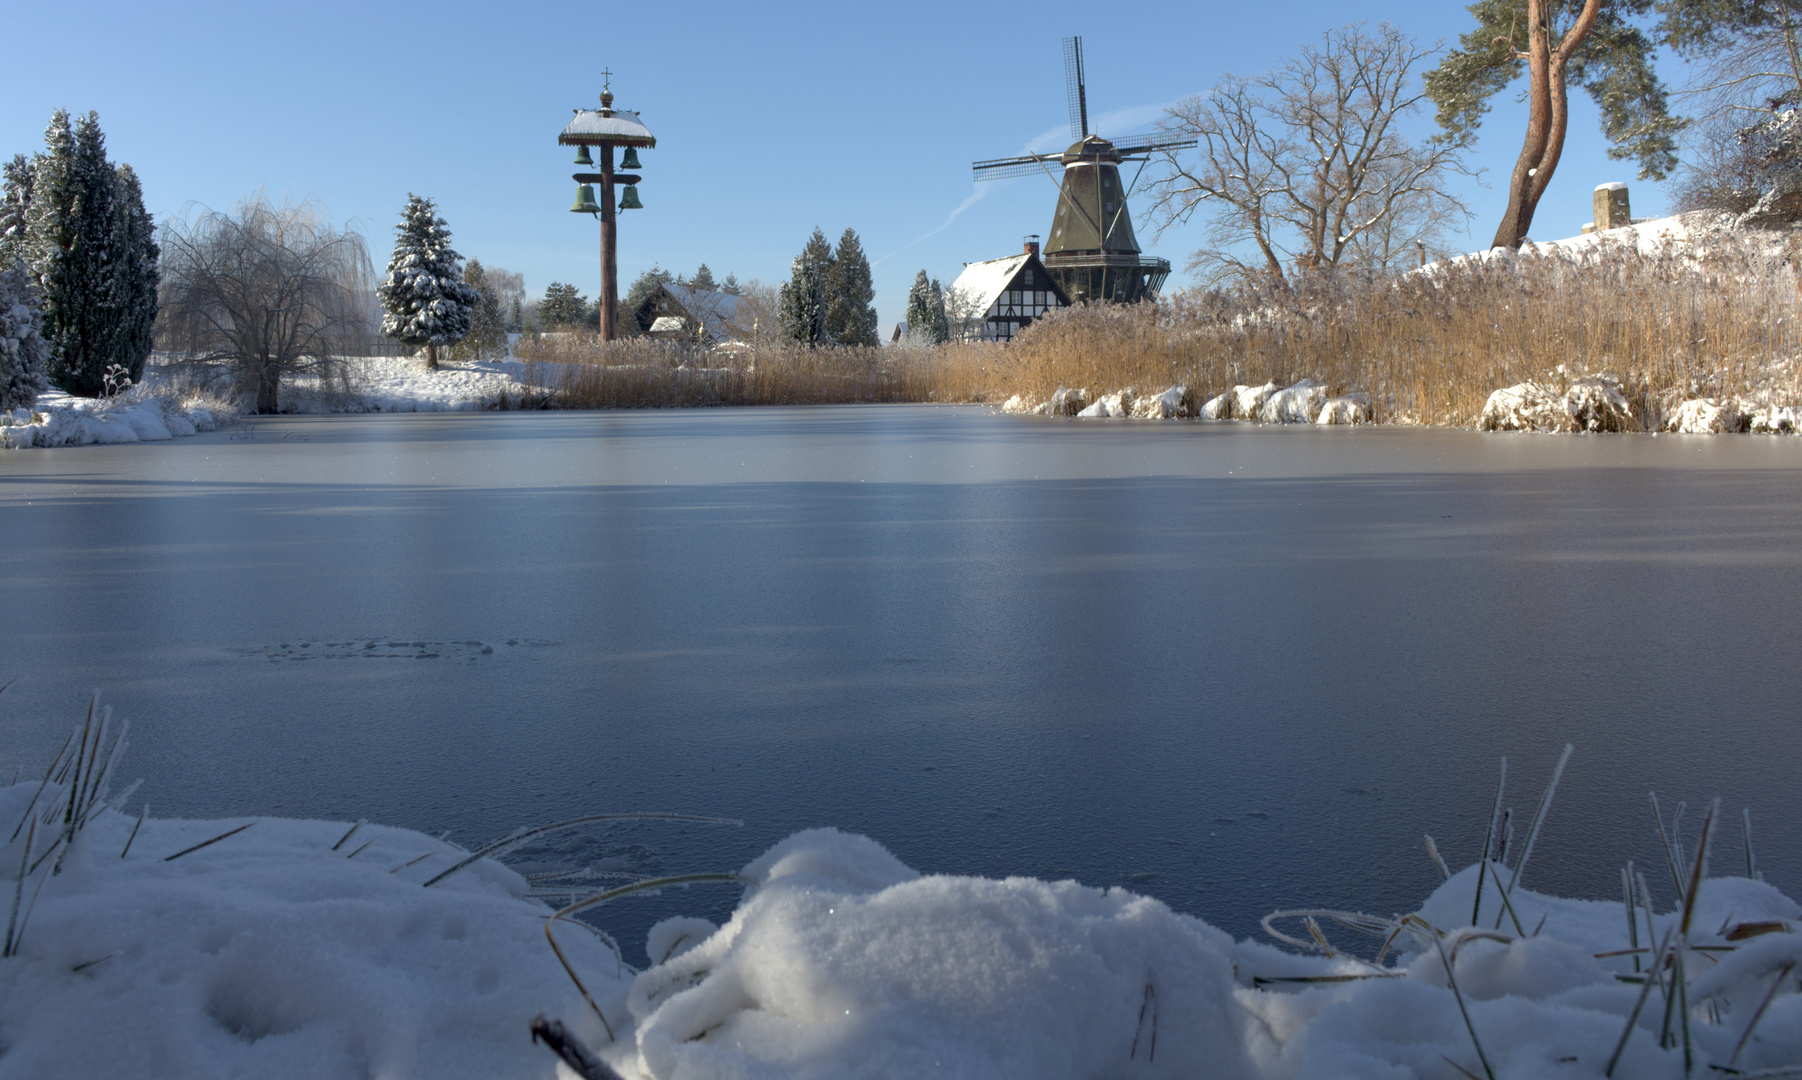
column 604, row 129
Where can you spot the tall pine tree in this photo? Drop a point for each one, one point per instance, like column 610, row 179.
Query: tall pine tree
column 426, row 299
column 803, row 301
column 488, row 324
column 135, row 274
column 925, row 326
column 850, row 314
column 79, row 227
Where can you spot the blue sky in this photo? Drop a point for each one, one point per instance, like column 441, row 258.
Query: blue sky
column 770, row 118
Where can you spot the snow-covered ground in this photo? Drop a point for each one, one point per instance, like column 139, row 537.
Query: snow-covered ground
column 406, row 384
column 307, row 949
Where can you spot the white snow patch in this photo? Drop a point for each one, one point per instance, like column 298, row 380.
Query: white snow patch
column 140, row 415
column 1115, row 404
column 1353, row 408
column 1172, row 404
column 1248, row 401
column 1701, row 416
column 1591, row 403
column 1299, row 404
column 269, row 954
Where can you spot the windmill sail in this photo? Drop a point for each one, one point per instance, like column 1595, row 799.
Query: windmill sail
column 1074, row 89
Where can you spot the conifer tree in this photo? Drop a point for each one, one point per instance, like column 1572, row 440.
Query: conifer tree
column 79, row 226
column 426, row 299
column 642, row 288
column 850, row 316
column 941, row 323
column 135, row 274
column 802, row 303
column 731, row 286
column 703, row 279
column 562, row 306
column 924, row 327
column 488, row 324
column 22, row 347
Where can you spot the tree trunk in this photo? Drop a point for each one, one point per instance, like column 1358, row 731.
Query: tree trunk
column 1548, row 116
column 431, row 356
column 268, row 388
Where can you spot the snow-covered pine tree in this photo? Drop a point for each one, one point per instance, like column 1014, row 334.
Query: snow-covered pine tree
column 919, row 311
column 15, row 201
column 68, row 248
column 488, row 326
column 135, row 274
column 850, row 314
column 802, row 303
column 22, row 347
column 426, row 299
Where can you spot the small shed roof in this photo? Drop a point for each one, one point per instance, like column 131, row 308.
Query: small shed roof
column 597, row 127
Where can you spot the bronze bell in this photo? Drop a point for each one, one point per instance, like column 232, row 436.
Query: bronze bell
column 631, row 159
column 585, row 203
column 583, row 157
column 628, row 200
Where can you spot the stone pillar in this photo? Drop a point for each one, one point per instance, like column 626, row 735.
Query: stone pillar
column 1612, row 211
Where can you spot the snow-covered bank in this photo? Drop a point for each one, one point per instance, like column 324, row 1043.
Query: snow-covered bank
column 406, row 384
column 140, row 415
column 288, row 949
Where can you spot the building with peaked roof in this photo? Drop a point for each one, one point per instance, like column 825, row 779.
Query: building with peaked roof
column 679, row 311
column 1009, row 293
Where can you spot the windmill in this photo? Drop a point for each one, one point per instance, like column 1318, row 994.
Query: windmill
column 1092, row 251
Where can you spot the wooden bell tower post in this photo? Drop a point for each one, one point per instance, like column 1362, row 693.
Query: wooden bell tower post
column 603, row 129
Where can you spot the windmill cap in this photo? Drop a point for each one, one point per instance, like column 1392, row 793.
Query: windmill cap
column 1091, row 148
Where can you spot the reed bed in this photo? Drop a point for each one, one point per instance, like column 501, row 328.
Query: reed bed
column 1713, row 319
column 583, row 372
column 1715, row 316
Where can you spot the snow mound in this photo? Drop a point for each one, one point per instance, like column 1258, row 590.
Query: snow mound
column 137, row 416
column 1218, row 407
column 1173, row 404
column 1299, row 404
column 1588, row 404
column 1016, row 404
column 842, row 962
column 1066, row 402
column 1700, row 416
column 269, row 954
column 1116, row 404
column 1777, row 420
column 1248, row 401
column 1353, row 408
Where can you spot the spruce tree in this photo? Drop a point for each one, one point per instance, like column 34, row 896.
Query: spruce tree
column 703, row 279
column 919, row 311
column 642, row 288
column 941, row 323
column 22, row 347
column 135, row 274
column 802, row 304
column 15, row 203
column 731, row 286
column 850, row 314
column 562, row 306
column 426, row 299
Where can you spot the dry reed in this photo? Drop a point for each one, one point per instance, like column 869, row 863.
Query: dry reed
column 1722, row 317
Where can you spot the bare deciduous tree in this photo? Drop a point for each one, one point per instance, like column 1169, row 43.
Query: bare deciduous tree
column 264, row 291
column 1307, row 164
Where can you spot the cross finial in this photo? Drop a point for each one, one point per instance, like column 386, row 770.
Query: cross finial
column 606, row 79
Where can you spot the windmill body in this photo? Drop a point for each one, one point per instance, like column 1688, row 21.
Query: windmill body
column 1091, row 251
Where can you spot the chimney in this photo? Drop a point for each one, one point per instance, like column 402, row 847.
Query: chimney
column 1032, row 244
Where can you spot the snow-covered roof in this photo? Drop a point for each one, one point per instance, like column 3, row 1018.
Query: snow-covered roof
column 616, row 126
column 667, row 324
column 718, row 311
column 985, row 281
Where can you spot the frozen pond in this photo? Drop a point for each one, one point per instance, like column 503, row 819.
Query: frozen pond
column 1236, row 668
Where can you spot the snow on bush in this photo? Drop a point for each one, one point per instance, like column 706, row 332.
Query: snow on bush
column 1174, row 403
column 1587, row 404
column 137, row 416
column 1115, row 404
column 1699, row 416
column 1353, row 408
column 1218, row 407
column 1248, row 401
column 1299, row 404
